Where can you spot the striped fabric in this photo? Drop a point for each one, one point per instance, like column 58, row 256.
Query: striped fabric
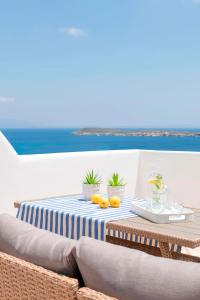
column 73, row 217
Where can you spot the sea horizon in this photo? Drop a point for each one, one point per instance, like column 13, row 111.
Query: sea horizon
column 110, row 127
column 56, row 140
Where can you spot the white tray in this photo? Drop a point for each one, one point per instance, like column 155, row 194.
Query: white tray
column 167, row 216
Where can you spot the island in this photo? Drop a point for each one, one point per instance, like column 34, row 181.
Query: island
column 135, row 132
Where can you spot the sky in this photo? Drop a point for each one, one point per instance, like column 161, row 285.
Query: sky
column 108, row 63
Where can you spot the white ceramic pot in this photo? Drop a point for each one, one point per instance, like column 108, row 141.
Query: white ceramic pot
column 118, row 191
column 90, row 189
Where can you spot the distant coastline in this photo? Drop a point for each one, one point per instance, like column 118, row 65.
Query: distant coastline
column 132, row 132
column 39, row 141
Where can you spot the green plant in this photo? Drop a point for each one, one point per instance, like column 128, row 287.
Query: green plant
column 92, row 178
column 115, row 180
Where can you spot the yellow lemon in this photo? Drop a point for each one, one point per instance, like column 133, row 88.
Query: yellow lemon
column 104, row 203
column 157, row 182
column 153, row 181
column 115, row 201
column 96, row 198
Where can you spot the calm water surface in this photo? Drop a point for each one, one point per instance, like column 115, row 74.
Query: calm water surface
column 32, row 141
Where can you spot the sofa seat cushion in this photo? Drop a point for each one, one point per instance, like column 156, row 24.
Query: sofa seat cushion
column 129, row 274
column 37, row 246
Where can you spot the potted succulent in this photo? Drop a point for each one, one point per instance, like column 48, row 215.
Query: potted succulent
column 116, row 186
column 91, row 184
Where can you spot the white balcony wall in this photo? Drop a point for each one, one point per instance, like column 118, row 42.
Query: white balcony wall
column 60, row 174
column 9, row 163
column 181, row 171
column 27, row 177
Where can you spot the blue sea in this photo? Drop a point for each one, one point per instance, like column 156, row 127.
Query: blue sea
column 35, row 141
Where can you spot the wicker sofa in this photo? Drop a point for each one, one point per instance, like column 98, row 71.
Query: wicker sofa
column 22, row 280
column 27, row 254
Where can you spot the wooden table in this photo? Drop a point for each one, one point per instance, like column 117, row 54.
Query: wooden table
column 183, row 234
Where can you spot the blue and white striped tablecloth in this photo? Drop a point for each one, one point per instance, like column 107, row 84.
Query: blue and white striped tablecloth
column 71, row 216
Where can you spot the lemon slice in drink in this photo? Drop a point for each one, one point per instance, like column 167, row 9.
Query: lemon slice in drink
column 154, row 181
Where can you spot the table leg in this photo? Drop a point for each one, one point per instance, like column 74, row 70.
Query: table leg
column 164, row 249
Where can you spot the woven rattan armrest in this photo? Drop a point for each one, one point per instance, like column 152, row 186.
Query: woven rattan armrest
column 22, row 280
column 88, row 294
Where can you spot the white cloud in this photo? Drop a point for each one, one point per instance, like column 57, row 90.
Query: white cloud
column 73, row 31
column 4, row 99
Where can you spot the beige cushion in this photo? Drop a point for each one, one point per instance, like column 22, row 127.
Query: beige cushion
column 192, row 252
column 129, row 274
column 37, row 246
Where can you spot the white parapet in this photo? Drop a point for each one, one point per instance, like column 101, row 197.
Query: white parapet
column 27, row 177
column 9, row 163
column 181, row 171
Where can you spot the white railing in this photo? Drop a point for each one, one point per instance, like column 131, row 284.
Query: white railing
column 25, row 177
